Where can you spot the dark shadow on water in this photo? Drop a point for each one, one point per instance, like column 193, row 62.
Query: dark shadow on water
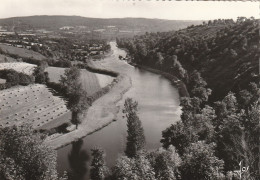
column 78, row 161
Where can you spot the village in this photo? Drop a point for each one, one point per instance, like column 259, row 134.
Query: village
column 62, row 44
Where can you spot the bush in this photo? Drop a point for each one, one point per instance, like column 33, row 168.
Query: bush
column 23, row 155
column 14, row 78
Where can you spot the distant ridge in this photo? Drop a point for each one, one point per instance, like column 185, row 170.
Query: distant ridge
column 55, row 22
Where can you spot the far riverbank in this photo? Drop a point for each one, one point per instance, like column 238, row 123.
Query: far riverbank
column 178, row 83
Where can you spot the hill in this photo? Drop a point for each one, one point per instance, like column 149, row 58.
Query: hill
column 56, row 22
column 20, row 52
column 212, row 59
column 224, row 52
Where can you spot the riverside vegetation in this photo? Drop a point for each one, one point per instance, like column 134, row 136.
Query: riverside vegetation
column 218, row 128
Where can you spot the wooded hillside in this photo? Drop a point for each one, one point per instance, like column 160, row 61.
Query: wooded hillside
column 223, row 51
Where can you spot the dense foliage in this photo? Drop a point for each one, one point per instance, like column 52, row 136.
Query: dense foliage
column 137, row 168
column 98, row 167
column 14, row 78
column 223, row 51
column 135, row 131
column 50, row 62
column 41, row 76
column 78, row 99
column 23, row 155
column 199, row 162
column 219, row 128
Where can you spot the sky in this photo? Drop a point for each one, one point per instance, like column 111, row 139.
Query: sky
column 174, row 10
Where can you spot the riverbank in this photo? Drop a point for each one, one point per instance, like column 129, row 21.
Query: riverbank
column 178, row 83
column 101, row 113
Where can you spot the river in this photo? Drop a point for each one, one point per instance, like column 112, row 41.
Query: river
column 158, row 103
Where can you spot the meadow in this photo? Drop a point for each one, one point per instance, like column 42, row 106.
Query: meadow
column 4, row 58
column 91, row 82
column 21, row 52
column 22, row 67
column 33, row 104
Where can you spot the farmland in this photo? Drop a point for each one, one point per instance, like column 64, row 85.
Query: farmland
column 104, row 80
column 33, row 104
column 21, row 52
column 55, row 73
column 22, row 67
column 4, row 58
column 91, row 82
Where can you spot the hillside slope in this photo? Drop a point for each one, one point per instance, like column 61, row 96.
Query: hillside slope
column 55, row 22
column 223, row 51
column 21, row 52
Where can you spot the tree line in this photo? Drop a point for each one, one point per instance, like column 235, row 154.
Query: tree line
column 225, row 54
column 219, row 128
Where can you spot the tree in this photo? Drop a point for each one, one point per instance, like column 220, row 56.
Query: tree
column 160, row 60
column 39, row 72
column 203, row 123
column 199, row 162
column 78, row 99
column 24, row 156
column 165, row 163
column 70, row 80
column 197, row 86
column 137, row 168
column 238, row 140
column 9, row 169
column 14, row 78
column 179, row 136
column 35, row 48
column 78, row 103
column 135, row 138
column 98, row 167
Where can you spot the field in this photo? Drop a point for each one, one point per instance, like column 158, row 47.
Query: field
column 25, row 68
column 4, row 58
column 55, row 73
column 33, row 104
column 2, row 81
column 92, row 82
column 104, row 80
column 21, row 52
column 89, row 82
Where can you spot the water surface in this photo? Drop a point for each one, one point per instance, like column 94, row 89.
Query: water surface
column 158, row 108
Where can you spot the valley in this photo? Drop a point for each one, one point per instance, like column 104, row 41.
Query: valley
column 129, row 98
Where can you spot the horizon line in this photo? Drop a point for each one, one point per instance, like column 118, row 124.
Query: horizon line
column 122, row 17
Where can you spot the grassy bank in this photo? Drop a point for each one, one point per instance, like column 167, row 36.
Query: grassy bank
column 102, row 112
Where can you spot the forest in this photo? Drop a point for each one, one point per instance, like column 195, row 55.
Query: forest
column 219, row 128
column 224, row 52
column 217, row 136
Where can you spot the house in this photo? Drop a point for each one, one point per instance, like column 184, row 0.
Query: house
column 19, row 46
column 94, row 52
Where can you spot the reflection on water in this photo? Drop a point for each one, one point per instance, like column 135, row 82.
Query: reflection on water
column 78, row 159
column 158, row 103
